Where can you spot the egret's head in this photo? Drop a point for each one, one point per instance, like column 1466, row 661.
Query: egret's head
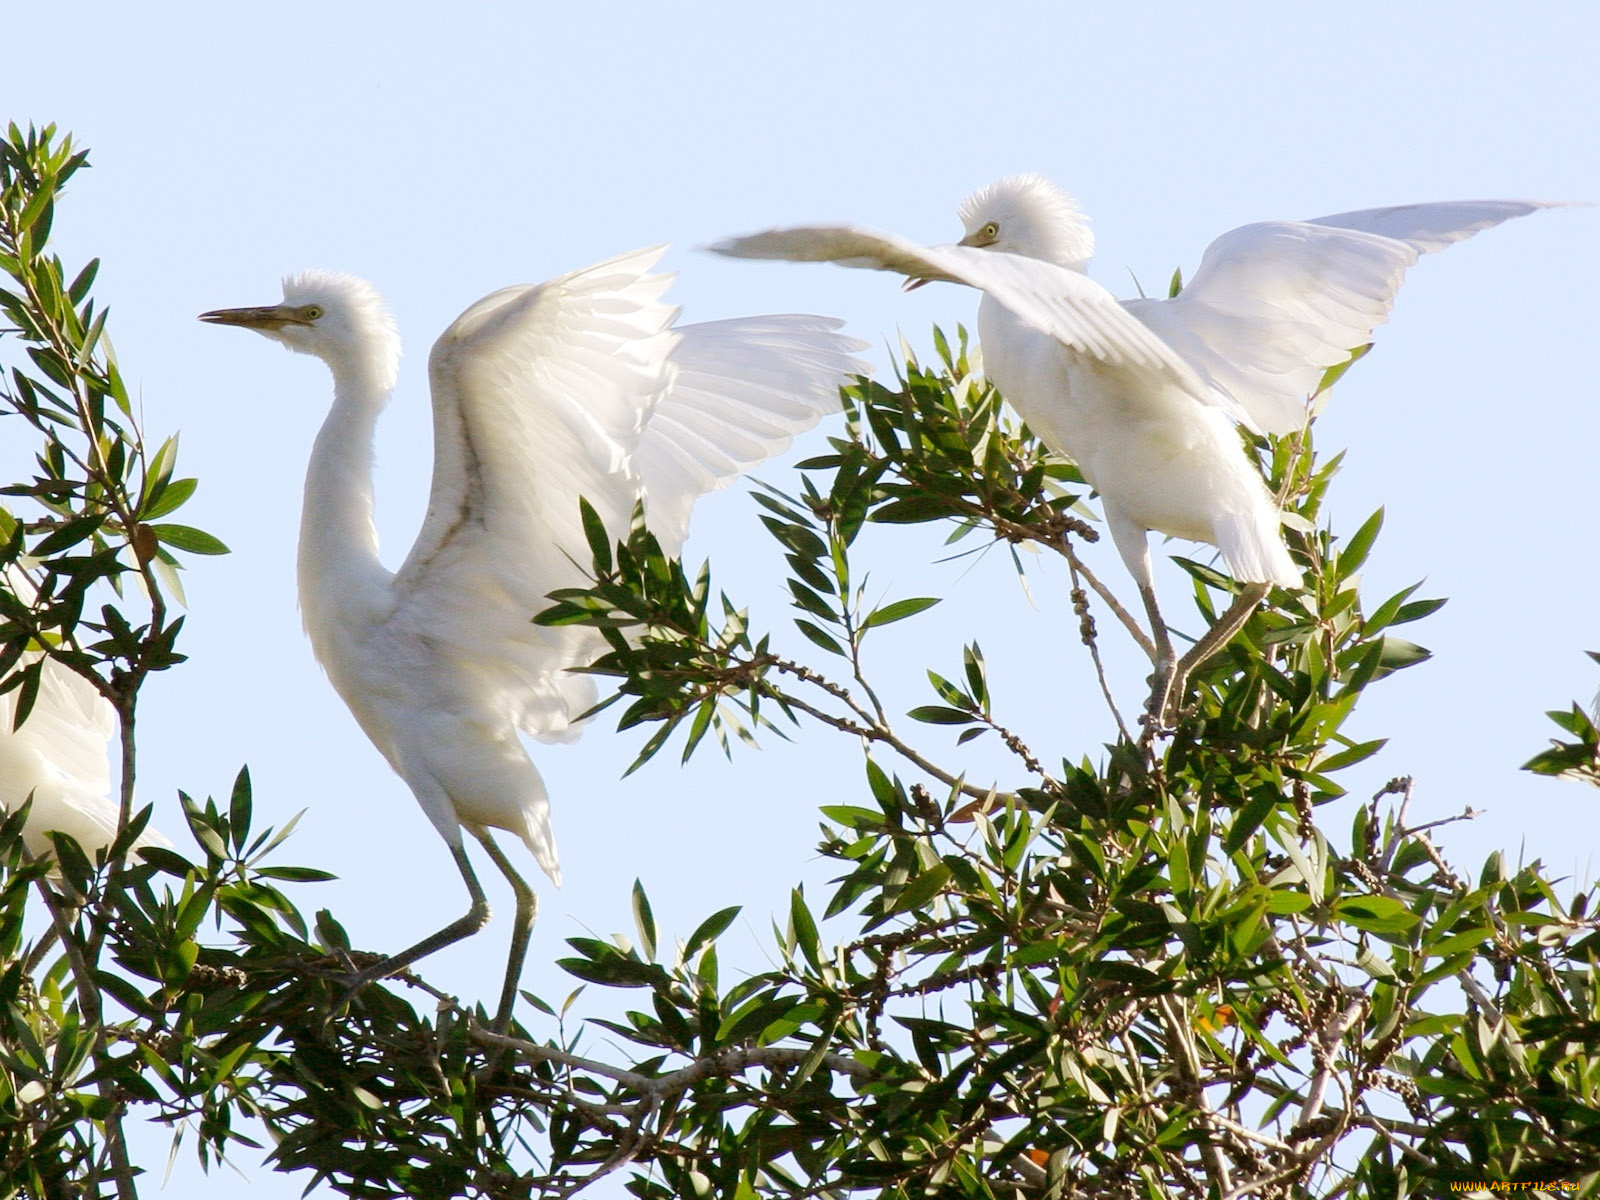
column 339, row 318
column 1028, row 215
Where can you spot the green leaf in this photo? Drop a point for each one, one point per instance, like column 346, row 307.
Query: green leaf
column 937, row 714
column 1346, row 758
column 84, row 281
column 296, row 874
column 898, row 611
column 1376, row 914
column 594, row 531
column 1354, row 552
column 644, row 920
column 1398, row 654
column 68, row 535
column 1336, row 372
column 819, row 638
column 1373, row 965
column 193, row 541
column 977, row 674
column 710, row 930
column 171, row 497
column 804, row 928
column 239, row 810
column 921, row 889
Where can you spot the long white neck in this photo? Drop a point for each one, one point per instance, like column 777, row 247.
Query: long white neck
column 343, row 585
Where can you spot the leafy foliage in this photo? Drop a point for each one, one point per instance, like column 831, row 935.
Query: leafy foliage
column 69, row 1065
column 1159, row 975
column 1578, row 760
column 1153, row 968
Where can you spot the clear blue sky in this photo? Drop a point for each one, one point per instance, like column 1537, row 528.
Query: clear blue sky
column 443, row 152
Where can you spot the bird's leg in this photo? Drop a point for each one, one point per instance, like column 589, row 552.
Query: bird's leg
column 1218, row 636
column 1161, row 680
column 1129, row 536
column 522, row 930
column 476, row 918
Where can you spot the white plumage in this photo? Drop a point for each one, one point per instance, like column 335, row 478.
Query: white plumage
column 580, row 386
column 60, row 757
column 1143, row 394
column 1134, row 391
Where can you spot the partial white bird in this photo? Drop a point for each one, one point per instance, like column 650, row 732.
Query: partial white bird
column 1143, row 394
column 60, row 757
column 541, row 394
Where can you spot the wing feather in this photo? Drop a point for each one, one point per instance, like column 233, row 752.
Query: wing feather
column 580, row 387
column 1066, row 304
column 1274, row 305
column 1430, row 227
column 742, row 390
column 540, row 395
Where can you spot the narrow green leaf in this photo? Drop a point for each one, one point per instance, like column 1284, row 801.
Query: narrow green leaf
column 84, row 281
column 193, row 541
column 296, row 874
column 937, row 714
column 804, row 928
column 710, row 930
column 644, row 920
column 239, row 810
column 819, row 638
column 898, row 611
column 171, row 497
column 921, row 889
column 1354, row 552
column 1346, row 758
column 594, row 531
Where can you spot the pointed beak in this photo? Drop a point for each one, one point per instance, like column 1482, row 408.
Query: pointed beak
column 268, row 317
column 977, row 238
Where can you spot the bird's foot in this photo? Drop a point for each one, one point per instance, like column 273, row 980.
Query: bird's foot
column 496, row 1065
column 1158, row 716
column 365, row 968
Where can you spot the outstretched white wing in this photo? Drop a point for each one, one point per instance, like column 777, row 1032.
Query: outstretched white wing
column 1274, row 305
column 1270, row 309
column 742, row 389
column 1066, row 304
column 1430, row 227
column 580, row 387
column 540, row 394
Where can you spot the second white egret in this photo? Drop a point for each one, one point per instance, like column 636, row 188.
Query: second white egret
column 1143, row 394
column 59, row 758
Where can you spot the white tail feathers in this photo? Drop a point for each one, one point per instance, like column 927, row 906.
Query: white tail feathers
column 541, row 844
column 1254, row 550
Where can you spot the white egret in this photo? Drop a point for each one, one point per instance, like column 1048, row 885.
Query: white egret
column 541, row 394
column 60, row 756
column 1143, row 394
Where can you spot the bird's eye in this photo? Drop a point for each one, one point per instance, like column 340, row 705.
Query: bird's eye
column 312, row 312
column 991, row 230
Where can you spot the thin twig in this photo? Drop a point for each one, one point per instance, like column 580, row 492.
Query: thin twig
column 1186, row 1061
column 875, row 731
column 730, row 1060
column 1323, row 1049
column 1135, row 630
column 1088, row 634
